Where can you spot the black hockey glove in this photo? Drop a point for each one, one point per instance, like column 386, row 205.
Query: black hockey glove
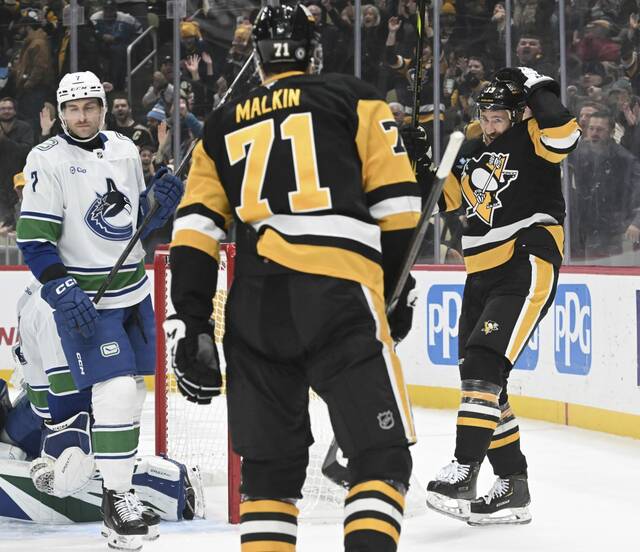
column 528, row 78
column 194, row 358
column 416, row 144
column 401, row 318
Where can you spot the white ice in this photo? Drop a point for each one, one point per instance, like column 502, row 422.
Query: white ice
column 585, row 490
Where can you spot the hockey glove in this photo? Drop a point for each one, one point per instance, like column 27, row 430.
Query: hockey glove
column 415, row 142
column 401, row 317
column 166, row 190
column 194, row 358
column 72, row 304
column 528, row 78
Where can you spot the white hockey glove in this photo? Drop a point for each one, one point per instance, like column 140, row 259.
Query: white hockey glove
column 66, row 464
column 194, row 358
column 528, row 78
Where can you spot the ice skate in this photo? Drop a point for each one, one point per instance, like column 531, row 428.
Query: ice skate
column 150, row 518
column 124, row 527
column 453, row 489
column 506, row 503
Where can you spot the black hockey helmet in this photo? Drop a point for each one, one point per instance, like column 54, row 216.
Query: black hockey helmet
column 499, row 94
column 284, row 38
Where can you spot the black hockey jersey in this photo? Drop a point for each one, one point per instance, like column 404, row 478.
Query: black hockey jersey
column 311, row 166
column 511, row 189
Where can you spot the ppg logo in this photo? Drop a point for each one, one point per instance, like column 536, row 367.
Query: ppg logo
column 443, row 310
column 572, row 318
column 528, row 359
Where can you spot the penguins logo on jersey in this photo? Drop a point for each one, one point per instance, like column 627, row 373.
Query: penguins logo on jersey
column 109, row 216
column 483, row 180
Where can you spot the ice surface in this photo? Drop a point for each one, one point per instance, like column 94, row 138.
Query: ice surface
column 585, row 489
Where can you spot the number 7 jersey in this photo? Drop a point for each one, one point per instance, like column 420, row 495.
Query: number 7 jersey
column 314, row 168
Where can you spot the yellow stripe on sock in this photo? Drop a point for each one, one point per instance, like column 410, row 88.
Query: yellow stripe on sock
column 380, row 486
column 479, row 395
column 276, row 506
column 505, row 441
column 372, row 524
column 476, row 422
column 267, row 546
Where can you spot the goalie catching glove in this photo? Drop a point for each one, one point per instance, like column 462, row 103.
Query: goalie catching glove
column 194, row 358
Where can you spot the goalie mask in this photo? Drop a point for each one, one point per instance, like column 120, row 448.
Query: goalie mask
column 284, row 38
column 503, row 95
column 79, row 86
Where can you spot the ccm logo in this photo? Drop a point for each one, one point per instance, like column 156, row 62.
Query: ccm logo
column 109, row 349
column 68, row 283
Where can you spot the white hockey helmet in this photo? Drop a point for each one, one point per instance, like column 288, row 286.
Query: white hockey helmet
column 78, row 86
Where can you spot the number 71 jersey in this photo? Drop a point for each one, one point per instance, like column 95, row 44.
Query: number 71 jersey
column 315, row 165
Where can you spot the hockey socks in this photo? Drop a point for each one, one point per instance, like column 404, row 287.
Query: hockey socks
column 268, row 526
column 478, row 418
column 373, row 517
column 504, row 451
column 114, row 434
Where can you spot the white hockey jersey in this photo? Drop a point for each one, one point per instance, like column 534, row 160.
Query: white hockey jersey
column 85, row 203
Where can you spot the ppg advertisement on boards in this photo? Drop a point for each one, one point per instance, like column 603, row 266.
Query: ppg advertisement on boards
column 585, row 351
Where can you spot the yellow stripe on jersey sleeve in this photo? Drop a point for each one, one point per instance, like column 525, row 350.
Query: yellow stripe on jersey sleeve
column 399, row 221
column 203, row 188
column 555, row 143
column 204, row 185
column 384, row 159
column 452, row 193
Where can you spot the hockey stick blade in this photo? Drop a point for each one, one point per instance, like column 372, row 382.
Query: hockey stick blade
column 448, row 159
column 333, row 470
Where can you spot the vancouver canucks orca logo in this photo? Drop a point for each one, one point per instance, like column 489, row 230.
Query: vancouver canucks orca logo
column 483, row 180
column 110, row 215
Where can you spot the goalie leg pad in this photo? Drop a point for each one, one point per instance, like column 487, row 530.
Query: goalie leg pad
column 67, row 463
column 277, row 478
column 166, row 485
column 24, row 427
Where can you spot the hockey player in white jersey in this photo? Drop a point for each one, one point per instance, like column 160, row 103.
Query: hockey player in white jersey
column 45, row 437
column 84, row 196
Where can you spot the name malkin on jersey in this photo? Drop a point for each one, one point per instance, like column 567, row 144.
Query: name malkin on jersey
column 282, row 98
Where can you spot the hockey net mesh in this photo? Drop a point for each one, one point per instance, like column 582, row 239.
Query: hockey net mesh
column 197, row 435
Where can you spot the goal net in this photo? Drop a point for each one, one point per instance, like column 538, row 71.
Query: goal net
column 197, row 435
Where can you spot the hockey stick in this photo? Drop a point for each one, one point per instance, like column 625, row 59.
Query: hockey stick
column 154, row 208
column 331, row 468
column 419, row 68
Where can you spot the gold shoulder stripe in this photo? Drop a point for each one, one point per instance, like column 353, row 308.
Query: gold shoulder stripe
column 204, row 186
column 383, row 161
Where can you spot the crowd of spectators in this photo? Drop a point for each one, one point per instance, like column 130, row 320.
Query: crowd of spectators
column 603, row 70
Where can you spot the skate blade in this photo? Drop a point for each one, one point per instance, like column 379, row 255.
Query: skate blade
column 153, row 534
column 445, row 505
column 121, row 542
column 511, row 516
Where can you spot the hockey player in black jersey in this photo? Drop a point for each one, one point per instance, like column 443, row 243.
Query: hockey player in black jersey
column 312, row 171
column 508, row 181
